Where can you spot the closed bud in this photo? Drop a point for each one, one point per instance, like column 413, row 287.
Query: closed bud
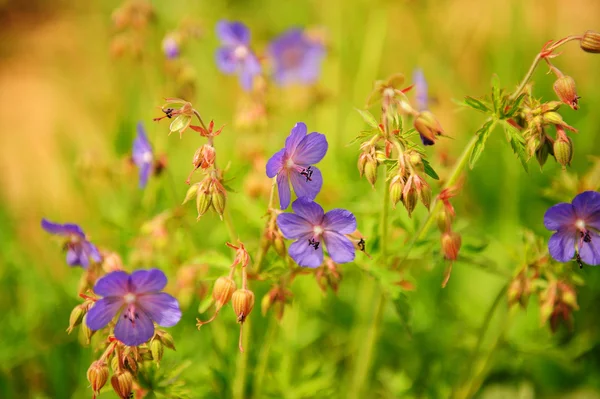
column 242, row 301
column 166, row 339
column 86, row 332
column 265, row 304
column 553, row 118
column 203, row 201
column 542, row 152
column 451, row 242
column 415, row 160
column 223, row 290
column 565, row 89
column 279, row 246
column 157, row 349
column 590, row 42
column 362, row 162
column 111, row 262
column 204, row 157
column 396, row 187
column 371, row 171
column 428, row 127
column 97, row 375
column 425, row 195
column 122, row 383
column 218, row 200
column 444, row 220
column 192, row 192
column 563, row 150
column 76, row 317
column 515, row 290
column 410, row 195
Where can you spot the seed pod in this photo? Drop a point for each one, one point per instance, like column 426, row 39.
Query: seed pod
column 542, row 152
column 451, row 242
column 76, row 317
column 122, row 383
column 158, row 349
column 203, row 201
column 565, row 89
column 590, row 42
column 97, row 375
column 371, row 171
column 192, row 192
column 86, row 332
column 396, row 187
column 218, row 200
column 243, row 302
column 563, row 150
column 362, row 162
column 279, row 246
column 444, row 220
column 425, row 195
column 166, row 339
column 222, row 290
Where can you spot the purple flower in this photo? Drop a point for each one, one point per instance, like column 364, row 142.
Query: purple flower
column 577, row 227
column 80, row 252
column 139, row 303
column 312, row 228
column 420, row 83
column 296, row 58
column 170, row 46
column 294, row 162
column 142, row 154
column 235, row 55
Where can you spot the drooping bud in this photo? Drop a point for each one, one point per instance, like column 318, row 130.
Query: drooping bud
column 590, row 42
column 396, row 187
column 203, row 201
column 86, row 332
column 565, row 89
column 444, row 220
column 122, row 383
column 192, row 192
column 424, row 191
column 218, row 199
column 542, row 152
column 166, row 339
column 410, row 195
column 97, row 375
column 563, row 148
column 451, row 242
column 279, row 245
column 362, row 162
column 242, row 301
column 204, row 157
column 111, row 262
column 371, row 171
column 157, row 349
column 428, row 127
column 76, row 317
column 223, row 290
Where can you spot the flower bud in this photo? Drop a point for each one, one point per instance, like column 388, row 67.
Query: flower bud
column 568, row 296
column 279, row 246
column 222, row 290
column 158, row 349
column 396, row 187
column 97, row 375
column 265, row 304
column 410, row 195
column 565, row 89
column 590, row 42
column 415, row 160
column 218, row 200
column 166, row 339
column 563, row 150
column 192, row 192
column 362, row 162
column 242, row 301
column 203, row 201
column 451, row 242
column 554, row 118
column 85, row 331
column 371, row 171
column 111, row 262
column 122, row 383
column 425, row 195
column 204, row 157
column 542, row 152
column 444, row 220
column 76, row 317
column 428, row 127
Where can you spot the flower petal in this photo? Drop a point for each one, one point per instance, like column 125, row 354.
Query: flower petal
column 309, row 210
column 62, row 229
column 297, row 134
column 304, row 254
column 135, row 331
column 161, row 307
column 339, row 220
column 76, row 258
column 283, row 188
column 590, row 251
column 560, row 216
column 310, row 150
column 226, row 61
column 250, row 68
column 293, row 226
column 339, row 247
column 233, row 33
column 91, row 252
column 147, row 281
column 275, row 163
column 144, row 173
column 103, row 311
column 562, row 245
column 113, row 284
column 307, row 188
column 587, row 207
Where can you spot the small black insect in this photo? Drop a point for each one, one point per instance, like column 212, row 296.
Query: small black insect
column 361, row 244
column 578, row 260
column 307, row 173
column 168, row 112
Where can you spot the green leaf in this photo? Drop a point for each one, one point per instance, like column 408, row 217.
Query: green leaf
column 404, row 311
column 483, row 133
column 476, row 104
column 429, row 170
column 362, row 136
column 496, row 96
column 517, row 143
column 515, row 106
column 367, row 117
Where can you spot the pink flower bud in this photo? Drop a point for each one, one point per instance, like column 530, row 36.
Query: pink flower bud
column 590, row 42
column 565, row 89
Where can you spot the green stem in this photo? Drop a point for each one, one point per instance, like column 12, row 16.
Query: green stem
column 262, row 251
column 263, row 357
column 229, row 225
column 384, row 219
column 239, row 381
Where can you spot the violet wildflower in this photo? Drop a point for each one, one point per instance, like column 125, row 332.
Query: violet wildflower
column 170, row 46
column 421, row 98
column 295, row 162
column 312, row 227
column 139, row 303
column 142, row 155
column 80, row 252
column 296, row 58
column 577, row 227
column 235, row 55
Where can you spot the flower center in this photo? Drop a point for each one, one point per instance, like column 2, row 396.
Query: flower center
column 580, row 224
column 318, row 230
column 129, row 298
column 289, row 164
column 292, row 57
column 388, row 92
column 147, row 157
column 240, row 52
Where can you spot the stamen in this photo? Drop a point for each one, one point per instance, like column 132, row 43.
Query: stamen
column 313, row 243
column 307, row 173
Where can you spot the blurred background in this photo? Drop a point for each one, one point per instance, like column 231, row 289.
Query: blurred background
column 74, row 85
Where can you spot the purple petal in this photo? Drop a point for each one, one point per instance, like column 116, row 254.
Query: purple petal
column 250, row 69
column 134, row 331
column 275, row 163
column 309, row 210
column 62, row 229
column 426, row 141
column 161, row 307
column 307, row 188
column 560, row 216
column 91, row 252
column 103, row 311
column 304, row 254
column 340, row 221
column 76, row 258
column 297, row 134
column 113, row 284
column 562, row 245
column 233, row 33
column 310, row 68
column 339, row 247
column 587, row 207
column 310, row 150
column 283, row 188
column 293, row 226
column 420, row 89
column 226, row 61
column 144, row 174
column 148, row 281
column 590, row 251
